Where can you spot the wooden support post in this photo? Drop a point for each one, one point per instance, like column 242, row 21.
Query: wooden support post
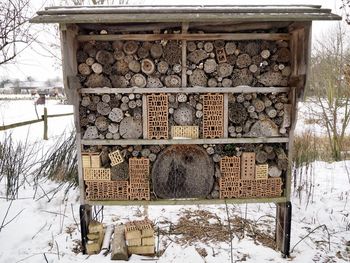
column 119, row 248
column 283, row 227
column 85, row 218
column 45, row 124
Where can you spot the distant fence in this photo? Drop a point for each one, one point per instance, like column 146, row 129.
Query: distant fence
column 44, row 118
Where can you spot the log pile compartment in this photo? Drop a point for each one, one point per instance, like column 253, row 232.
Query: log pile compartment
column 234, row 63
column 188, row 171
column 125, row 64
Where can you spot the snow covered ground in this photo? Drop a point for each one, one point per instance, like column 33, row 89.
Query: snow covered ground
column 45, row 229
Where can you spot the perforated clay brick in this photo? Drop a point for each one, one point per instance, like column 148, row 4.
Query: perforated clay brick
column 116, row 158
column 261, row 171
column 139, row 179
column 213, row 116
column 97, row 174
column 157, row 116
column 103, row 190
column 248, row 166
column 230, row 167
column 191, row 132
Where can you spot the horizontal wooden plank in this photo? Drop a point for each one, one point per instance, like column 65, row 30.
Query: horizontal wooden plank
column 154, row 37
column 175, row 6
column 184, row 17
column 184, row 9
column 186, row 141
column 238, row 89
column 191, row 201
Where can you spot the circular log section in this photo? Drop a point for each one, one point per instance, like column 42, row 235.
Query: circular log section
column 271, row 112
column 162, row 67
column 89, row 61
column 172, row 53
column 122, row 67
column 102, row 123
column 224, row 70
column 104, row 57
column 183, row 171
column 106, row 98
column 198, row 78
column 91, row 133
column 259, row 105
column 184, row 114
column 147, row 66
column 261, row 157
column 130, row 128
column 103, row 108
column 264, row 128
column 134, row 66
column 118, row 55
column 253, row 68
column 219, row 44
column 182, row 97
column 210, row 65
column 212, row 82
column 156, row 50
column 191, row 46
column 286, row 71
column 119, row 81
column 85, row 101
column 274, row 171
column 172, row 81
column 113, row 128
column 142, row 53
column 153, row 82
column 130, row 47
column 208, row 47
column 230, row 48
column 138, row 80
column 283, row 55
column 98, row 80
column 241, row 77
column 120, row 172
column 243, row 61
column 177, row 68
column 81, row 56
column 237, row 113
column 271, row 78
column 197, row 56
column 265, row 54
column 116, row 115
column 84, row 69
column 226, row 82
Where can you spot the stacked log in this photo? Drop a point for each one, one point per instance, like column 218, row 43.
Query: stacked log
column 226, row 63
column 185, row 110
column 258, row 115
column 111, row 116
column 123, row 64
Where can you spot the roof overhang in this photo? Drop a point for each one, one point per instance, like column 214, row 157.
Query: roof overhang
column 190, row 13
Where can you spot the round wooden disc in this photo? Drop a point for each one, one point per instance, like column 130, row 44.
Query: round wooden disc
column 130, row 128
column 183, row 171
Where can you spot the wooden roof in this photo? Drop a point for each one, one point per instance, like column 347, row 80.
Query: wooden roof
column 189, row 13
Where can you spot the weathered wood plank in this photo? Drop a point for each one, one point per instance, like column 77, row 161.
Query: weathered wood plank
column 213, row 36
column 185, row 141
column 238, row 89
column 184, row 56
column 185, row 17
column 119, row 248
column 191, row 201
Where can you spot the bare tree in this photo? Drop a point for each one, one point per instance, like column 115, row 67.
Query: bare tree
column 329, row 84
column 96, row 2
column 345, row 6
column 14, row 28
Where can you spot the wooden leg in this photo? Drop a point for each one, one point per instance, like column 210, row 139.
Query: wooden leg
column 283, row 227
column 85, row 218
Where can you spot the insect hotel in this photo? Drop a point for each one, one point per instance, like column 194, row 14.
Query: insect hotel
column 180, row 105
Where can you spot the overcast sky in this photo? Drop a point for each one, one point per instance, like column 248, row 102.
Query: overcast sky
column 37, row 62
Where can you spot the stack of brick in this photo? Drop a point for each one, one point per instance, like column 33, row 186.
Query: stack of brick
column 139, row 237
column 139, row 188
column 95, row 238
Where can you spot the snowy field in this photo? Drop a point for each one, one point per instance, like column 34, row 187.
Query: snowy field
column 44, row 226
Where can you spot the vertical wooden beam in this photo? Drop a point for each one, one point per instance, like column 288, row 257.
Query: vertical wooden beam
column 85, row 218
column 226, row 115
column 184, row 56
column 144, row 116
column 45, row 124
column 283, row 227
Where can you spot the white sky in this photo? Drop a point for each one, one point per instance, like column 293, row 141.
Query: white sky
column 36, row 61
